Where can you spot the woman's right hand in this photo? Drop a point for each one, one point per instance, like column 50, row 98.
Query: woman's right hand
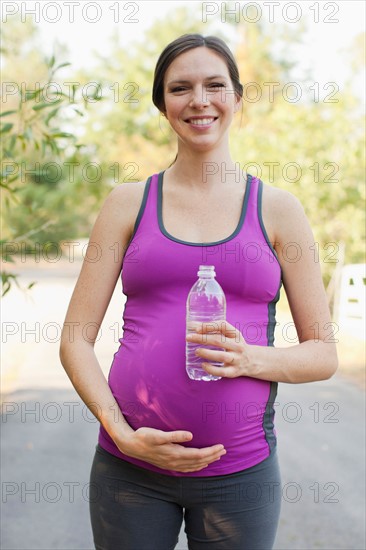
column 164, row 449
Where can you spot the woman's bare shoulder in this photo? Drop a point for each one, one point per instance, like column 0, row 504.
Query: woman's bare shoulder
column 123, row 203
column 126, row 197
column 279, row 198
column 280, row 210
column 128, row 191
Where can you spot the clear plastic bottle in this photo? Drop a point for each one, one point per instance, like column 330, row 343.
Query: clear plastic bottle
column 206, row 303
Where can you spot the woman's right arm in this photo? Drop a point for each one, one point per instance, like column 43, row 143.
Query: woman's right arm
column 93, row 291
column 89, row 302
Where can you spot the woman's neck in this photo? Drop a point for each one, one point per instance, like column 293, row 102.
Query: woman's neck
column 208, row 169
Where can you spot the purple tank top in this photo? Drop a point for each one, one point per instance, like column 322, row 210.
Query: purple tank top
column 148, row 377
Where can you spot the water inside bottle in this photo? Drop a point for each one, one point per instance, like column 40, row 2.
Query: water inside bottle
column 206, row 303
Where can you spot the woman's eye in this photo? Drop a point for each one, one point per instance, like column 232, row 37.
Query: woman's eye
column 217, row 85
column 213, row 86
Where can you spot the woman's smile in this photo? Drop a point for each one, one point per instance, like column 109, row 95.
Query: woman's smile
column 201, row 123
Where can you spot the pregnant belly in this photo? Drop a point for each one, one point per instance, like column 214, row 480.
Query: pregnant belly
column 159, row 394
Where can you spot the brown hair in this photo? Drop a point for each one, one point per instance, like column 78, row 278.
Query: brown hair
column 182, row 44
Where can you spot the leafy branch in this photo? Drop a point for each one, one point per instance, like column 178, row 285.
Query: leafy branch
column 31, row 127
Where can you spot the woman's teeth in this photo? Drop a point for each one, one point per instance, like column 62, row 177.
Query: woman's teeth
column 201, row 121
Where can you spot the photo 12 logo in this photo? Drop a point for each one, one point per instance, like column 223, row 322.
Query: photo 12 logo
column 70, row 12
column 273, row 12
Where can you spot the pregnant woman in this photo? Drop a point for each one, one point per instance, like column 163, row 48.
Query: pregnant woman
column 171, row 448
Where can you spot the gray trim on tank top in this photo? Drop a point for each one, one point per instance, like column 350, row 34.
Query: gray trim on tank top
column 272, row 304
column 269, row 413
column 259, row 209
column 268, row 418
column 230, row 237
column 141, row 209
column 272, row 316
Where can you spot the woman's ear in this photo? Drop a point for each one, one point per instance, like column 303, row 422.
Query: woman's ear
column 238, row 103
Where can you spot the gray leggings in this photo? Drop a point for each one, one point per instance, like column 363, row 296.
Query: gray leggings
column 132, row 508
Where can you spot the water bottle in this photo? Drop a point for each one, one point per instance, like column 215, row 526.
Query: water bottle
column 205, row 303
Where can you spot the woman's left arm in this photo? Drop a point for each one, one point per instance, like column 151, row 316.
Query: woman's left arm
column 315, row 357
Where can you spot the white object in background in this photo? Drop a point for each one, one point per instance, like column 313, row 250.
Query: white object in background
column 352, row 300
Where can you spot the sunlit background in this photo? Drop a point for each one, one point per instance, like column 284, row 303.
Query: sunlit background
column 77, row 120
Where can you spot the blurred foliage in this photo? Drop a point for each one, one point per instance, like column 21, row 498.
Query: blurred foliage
column 312, row 147
column 49, row 185
column 135, row 135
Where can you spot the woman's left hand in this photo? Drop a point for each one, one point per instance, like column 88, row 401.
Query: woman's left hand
column 237, row 357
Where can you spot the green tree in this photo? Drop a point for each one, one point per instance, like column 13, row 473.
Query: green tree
column 312, row 147
column 134, row 136
column 38, row 195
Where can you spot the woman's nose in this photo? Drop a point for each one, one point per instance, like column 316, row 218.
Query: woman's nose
column 199, row 98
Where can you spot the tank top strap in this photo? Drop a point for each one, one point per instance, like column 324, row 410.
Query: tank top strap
column 147, row 214
column 254, row 219
column 252, row 216
column 151, row 206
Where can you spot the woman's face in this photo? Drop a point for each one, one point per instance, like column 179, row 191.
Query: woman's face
column 200, row 100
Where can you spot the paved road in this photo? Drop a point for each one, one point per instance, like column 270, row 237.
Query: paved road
column 48, row 441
